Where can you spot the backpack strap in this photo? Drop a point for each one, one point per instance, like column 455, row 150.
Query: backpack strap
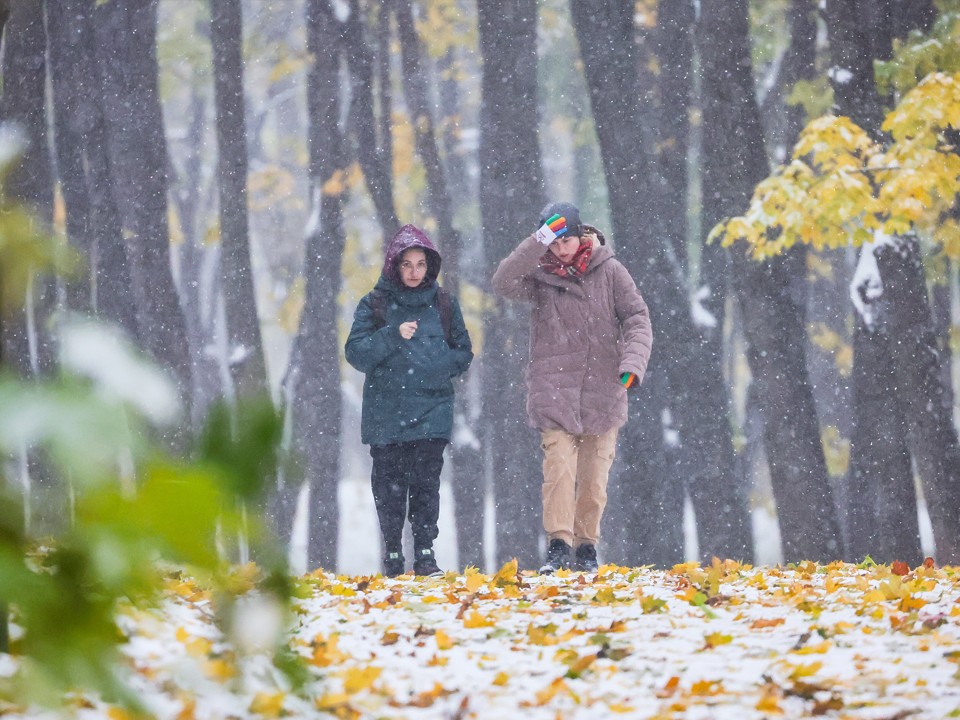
column 445, row 306
column 378, row 304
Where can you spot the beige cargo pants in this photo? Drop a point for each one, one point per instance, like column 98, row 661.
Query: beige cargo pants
column 575, row 472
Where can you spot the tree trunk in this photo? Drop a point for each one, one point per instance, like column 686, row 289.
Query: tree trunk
column 239, row 292
column 370, row 149
column 919, row 388
column 734, row 162
column 136, row 147
column 511, row 196
column 4, row 608
column 198, row 272
column 882, row 515
column 783, row 122
column 93, row 222
column 910, row 395
column 27, row 343
column 692, row 393
column 68, row 68
column 384, row 86
column 312, row 383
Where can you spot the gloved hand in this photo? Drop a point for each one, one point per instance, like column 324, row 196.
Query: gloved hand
column 553, row 228
column 629, row 380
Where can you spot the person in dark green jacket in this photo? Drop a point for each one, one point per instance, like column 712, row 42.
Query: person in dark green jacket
column 409, row 339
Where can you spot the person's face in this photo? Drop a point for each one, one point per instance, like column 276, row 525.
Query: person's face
column 413, row 267
column 565, row 247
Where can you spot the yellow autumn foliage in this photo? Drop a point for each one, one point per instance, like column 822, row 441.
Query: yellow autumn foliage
column 842, row 187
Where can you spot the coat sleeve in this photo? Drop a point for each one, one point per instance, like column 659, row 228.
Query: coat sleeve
column 511, row 278
column 461, row 349
column 367, row 346
column 635, row 325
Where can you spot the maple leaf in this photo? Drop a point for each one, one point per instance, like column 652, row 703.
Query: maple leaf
column 818, row 649
column 716, row 639
column 476, row 620
column 804, row 670
column 220, row 669
column 444, row 641
column 426, row 698
column 651, row 605
column 333, row 702
column 706, row 687
column 547, row 694
column 360, row 678
column 669, row 688
column 267, row 704
column 543, row 635
column 474, row 581
column 766, row 623
column 506, row 575
column 326, row 652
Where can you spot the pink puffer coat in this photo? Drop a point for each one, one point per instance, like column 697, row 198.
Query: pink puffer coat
column 584, row 334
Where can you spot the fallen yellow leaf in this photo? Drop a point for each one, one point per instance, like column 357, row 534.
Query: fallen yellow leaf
column 357, row 679
column 220, row 669
column 475, row 620
column 444, row 641
column 818, row 649
column 267, row 704
column 769, row 703
column 475, row 582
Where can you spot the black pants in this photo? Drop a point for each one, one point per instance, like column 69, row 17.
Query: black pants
column 409, row 470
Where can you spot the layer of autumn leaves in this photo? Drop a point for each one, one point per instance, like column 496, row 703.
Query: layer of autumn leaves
column 724, row 640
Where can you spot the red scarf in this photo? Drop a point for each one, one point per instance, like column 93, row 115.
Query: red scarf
column 573, row 269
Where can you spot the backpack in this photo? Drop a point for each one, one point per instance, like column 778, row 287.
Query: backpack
column 378, row 303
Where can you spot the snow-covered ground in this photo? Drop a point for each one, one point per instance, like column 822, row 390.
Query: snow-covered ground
column 726, row 641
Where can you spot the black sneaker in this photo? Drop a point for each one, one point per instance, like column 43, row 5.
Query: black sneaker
column 426, row 564
column 558, row 557
column 393, row 564
column 586, row 558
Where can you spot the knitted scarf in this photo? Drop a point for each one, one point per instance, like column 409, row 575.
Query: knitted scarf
column 573, row 269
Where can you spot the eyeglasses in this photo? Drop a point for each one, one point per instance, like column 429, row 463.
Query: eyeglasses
column 408, row 266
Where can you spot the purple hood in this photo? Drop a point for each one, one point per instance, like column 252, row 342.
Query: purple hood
column 410, row 236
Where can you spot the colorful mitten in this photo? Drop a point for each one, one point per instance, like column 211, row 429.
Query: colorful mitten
column 551, row 230
column 628, row 380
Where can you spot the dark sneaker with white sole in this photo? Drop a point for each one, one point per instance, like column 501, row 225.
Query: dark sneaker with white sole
column 558, row 557
column 586, row 559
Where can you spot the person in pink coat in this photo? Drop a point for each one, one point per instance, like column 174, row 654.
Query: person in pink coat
column 590, row 340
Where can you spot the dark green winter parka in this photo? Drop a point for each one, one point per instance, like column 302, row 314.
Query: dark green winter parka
column 408, row 390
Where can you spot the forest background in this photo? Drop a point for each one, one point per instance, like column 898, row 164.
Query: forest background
column 228, row 171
